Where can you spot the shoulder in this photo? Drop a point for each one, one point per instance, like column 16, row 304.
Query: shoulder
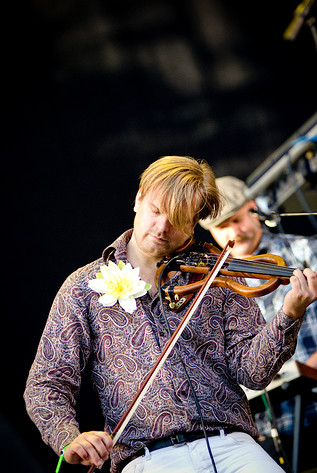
column 87, row 271
column 75, row 286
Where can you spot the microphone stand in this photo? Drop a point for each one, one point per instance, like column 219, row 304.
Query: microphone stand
column 273, row 219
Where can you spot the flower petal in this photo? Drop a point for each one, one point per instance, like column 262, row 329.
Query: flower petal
column 128, row 304
column 119, row 282
column 109, row 270
column 127, row 268
column 140, row 291
column 97, row 285
column 108, row 300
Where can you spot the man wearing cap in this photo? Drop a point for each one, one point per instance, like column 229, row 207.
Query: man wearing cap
column 236, row 221
column 239, row 221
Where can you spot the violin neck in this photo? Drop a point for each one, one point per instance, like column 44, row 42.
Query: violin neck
column 258, row 267
column 261, row 265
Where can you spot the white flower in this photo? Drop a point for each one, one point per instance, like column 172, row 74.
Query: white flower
column 119, row 283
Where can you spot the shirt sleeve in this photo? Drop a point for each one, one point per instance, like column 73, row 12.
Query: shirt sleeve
column 54, row 380
column 255, row 350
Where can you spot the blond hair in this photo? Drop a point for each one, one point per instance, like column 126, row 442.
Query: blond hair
column 187, row 188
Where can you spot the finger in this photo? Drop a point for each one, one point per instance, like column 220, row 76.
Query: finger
column 89, row 448
column 299, row 275
column 106, row 438
column 299, row 282
column 77, row 453
column 300, row 297
column 98, row 445
column 89, row 454
column 307, row 281
column 311, row 277
column 103, row 443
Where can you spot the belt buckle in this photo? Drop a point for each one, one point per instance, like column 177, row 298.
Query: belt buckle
column 177, row 440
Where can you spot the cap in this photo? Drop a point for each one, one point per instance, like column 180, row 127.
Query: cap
column 232, row 191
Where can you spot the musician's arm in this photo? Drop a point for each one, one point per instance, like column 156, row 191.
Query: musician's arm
column 258, row 349
column 54, row 380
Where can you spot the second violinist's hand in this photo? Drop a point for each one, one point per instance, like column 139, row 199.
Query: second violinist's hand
column 89, row 448
column 302, row 294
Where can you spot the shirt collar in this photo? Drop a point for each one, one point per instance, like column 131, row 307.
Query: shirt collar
column 117, row 251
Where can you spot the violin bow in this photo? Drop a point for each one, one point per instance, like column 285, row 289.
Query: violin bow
column 168, row 348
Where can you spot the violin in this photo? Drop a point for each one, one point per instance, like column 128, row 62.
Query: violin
column 198, row 258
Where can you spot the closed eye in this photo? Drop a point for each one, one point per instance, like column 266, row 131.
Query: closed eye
column 155, row 210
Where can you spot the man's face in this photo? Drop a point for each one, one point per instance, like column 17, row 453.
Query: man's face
column 243, row 227
column 153, row 233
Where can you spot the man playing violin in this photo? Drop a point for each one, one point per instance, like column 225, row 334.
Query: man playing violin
column 239, row 220
column 195, row 416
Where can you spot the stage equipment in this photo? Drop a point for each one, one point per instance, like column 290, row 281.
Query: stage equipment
column 284, row 172
column 300, row 16
column 296, row 380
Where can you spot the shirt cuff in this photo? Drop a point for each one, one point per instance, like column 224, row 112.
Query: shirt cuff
column 284, row 322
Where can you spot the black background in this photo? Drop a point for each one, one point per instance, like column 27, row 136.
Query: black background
column 93, row 92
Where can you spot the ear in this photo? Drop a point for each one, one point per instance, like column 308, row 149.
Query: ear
column 253, row 205
column 138, row 199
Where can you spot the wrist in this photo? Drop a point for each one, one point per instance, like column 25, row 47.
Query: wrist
column 294, row 315
column 61, row 459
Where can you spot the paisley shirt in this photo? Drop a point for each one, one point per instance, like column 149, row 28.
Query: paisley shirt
column 225, row 344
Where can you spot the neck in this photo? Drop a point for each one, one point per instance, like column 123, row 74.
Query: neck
column 146, row 263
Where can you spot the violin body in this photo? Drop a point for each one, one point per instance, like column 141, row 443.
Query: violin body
column 198, row 258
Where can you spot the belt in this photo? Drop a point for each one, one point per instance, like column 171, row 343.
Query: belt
column 176, row 439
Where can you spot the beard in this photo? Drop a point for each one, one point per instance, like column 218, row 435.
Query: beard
column 245, row 245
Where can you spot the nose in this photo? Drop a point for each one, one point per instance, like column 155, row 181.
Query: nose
column 162, row 224
column 237, row 228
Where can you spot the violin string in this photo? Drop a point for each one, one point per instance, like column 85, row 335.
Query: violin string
column 256, row 267
column 237, row 263
column 264, row 268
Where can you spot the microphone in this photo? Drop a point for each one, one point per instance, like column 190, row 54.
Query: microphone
column 270, row 219
column 298, row 20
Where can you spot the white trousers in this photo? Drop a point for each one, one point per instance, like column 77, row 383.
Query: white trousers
column 233, row 453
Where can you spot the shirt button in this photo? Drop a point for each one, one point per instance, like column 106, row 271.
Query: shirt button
column 161, row 334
